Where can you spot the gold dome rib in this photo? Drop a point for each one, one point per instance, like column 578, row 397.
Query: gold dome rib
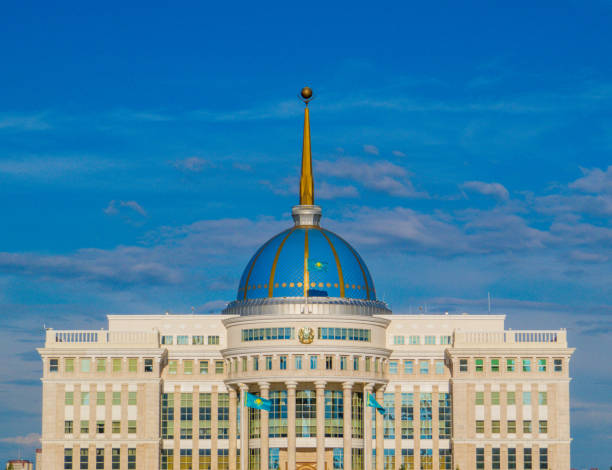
column 338, row 265
column 276, row 256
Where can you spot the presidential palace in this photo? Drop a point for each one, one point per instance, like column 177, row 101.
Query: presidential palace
column 308, row 333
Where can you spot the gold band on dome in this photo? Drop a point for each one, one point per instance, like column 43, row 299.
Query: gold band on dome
column 306, row 276
column 273, row 270
column 338, row 265
column 246, row 282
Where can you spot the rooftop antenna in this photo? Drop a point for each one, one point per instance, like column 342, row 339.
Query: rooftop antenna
column 489, row 299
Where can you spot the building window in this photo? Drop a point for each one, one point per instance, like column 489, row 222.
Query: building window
column 494, row 398
column 558, row 365
column 414, row 340
column 255, row 363
column 526, row 365
column 543, row 458
column 445, row 340
column 495, row 426
column 261, row 334
column 526, row 398
column 115, row 458
column 426, row 415
column 495, row 459
column 213, row 340
column 278, row 414
column 439, row 367
column 69, row 398
column 342, row 362
column 426, row 459
column 223, row 459
column 357, row 459
column 512, row 427
column 463, row 365
column 167, row 459
column 511, row 398
column 132, row 398
column 166, row 339
column 131, row 459
column 116, row 398
column 188, row 366
column 254, row 458
column 283, row 363
column 479, row 398
column 408, row 367
column 543, row 427
column 205, row 416
column 398, row 340
column 408, row 459
column 444, row 415
column 85, row 364
column 479, row 427
column 355, row 362
column 100, row 459
column 167, row 416
column 69, row 364
column 368, row 364
column 68, row 427
column 527, row 465
column 186, row 416
column 101, row 364
column 542, row 398
column 298, row 362
column 219, row 367
column 84, row 426
column 389, row 459
column 527, row 426
column 132, row 426
column 494, row 365
column 334, row 413
column 407, row 417
column 510, row 365
column 480, row 458
column 313, row 362
column 244, row 364
column 67, row 459
column 424, row 367
column 186, row 460
column 203, row 367
column 329, row 362
column 99, row 427
column 306, row 413
column 430, row 340
column 84, row 461
column 445, row 459
column 541, row 365
column 116, row 427
column 205, row 460
column 182, row 339
column 479, row 365
column 132, row 364
column 357, row 415
column 392, row 367
column 350, row 334
column 389, row 416
column 197, row 340
column 223, row 415
column 511, row 458
column 84, row 398
column 268, row 362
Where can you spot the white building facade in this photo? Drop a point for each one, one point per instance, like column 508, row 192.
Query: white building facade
column 307, row 332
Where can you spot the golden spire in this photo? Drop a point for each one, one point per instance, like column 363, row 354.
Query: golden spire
column 306, row 178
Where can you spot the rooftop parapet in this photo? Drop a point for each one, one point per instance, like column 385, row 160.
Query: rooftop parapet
column 94, row 338
column 511, row 338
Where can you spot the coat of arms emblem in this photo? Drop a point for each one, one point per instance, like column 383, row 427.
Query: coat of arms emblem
column 306, row 335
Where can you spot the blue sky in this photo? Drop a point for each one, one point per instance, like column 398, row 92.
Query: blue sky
column 146, row 151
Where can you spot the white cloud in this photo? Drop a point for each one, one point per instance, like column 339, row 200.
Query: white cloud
column 28, row 440
column 381, row 175
column 371, row 149
column 23, row 122
column 114, row 207
column 594, row 181
column 326, row 190
column 51, row 167
column 496, row 190
column 193, row 164
column 398, row 153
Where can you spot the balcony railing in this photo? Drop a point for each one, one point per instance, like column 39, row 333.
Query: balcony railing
column 512, row 338
column 85, row 338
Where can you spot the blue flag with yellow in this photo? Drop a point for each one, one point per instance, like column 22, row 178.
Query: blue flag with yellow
column 314, row 265
column 374, row 404
column 253, row 401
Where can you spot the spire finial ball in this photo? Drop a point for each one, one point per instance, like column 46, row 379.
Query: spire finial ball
column 306, row 92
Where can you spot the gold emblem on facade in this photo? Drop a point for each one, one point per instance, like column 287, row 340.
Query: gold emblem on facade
column 306, row 335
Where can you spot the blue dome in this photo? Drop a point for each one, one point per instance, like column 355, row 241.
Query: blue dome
column 328, row 264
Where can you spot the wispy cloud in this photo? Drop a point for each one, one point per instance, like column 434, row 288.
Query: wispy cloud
column 193, row 164
column 53, row 167
column 27, row 440
column 371, row 149
column 116, row 207
column 24, row 122
column 496, row 190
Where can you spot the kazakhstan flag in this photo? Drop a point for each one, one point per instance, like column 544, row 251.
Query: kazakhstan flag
column 374, row 404
column 314, row 265
column 253, row 401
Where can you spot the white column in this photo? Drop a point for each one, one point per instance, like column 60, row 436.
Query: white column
column 291, row 424
column 347, row 431
column 264, row 437
column 367, row 428
column 244, row 429
column 320, row 386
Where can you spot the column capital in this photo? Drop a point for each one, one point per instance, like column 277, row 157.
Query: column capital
column 368, row 387
column 243, row 387
column 291, row 384
column 264, row 385
column 320, row 384
column 347, row 385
